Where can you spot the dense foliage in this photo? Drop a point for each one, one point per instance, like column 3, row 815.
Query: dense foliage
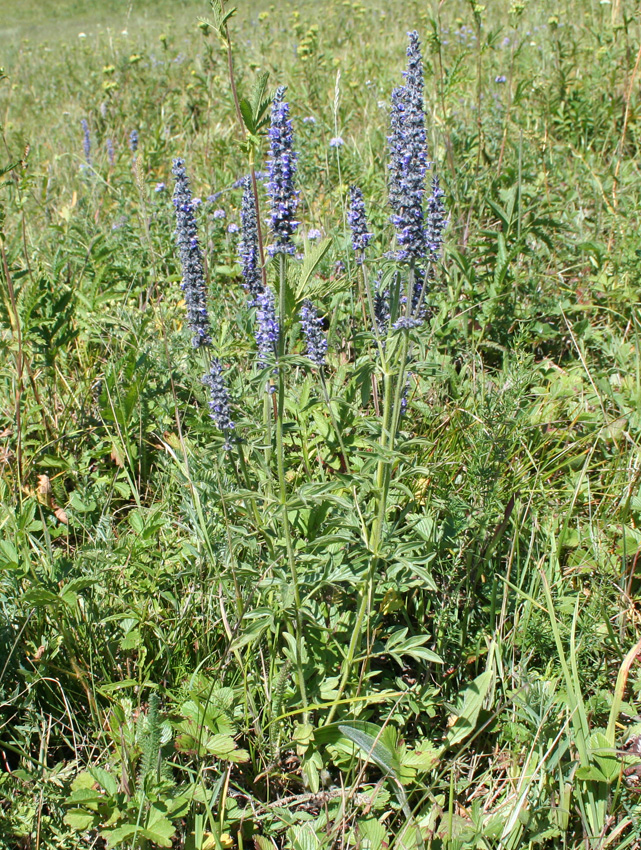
column 319, row 409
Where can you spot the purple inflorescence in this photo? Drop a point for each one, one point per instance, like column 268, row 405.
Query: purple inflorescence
column 193, row 283
column 312, row 327
column 405, row 396
column 381, row 308
column 267, row 328
column 110, row 151
column 407, row 323
column 282, row 168
column 219, row 405
column 436, row 219
column 248, row 251
column 133, row 141
column 357, row 221
column 86, row 140
column 408, row 158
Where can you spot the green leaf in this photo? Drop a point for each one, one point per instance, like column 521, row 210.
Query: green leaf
column 79, row 819
column 105, row 780
column 260, row 101
column 305, row 287
column 398, row 645
column 41, row 598
column 303, row 837
column 370, row 739
column 7, row 168
column 470, row 703
column 158, row 828
column 372, row 834
column 9, row 557
column 255, row 623
column 114, row 837
column 248, row 117
column 604, row 754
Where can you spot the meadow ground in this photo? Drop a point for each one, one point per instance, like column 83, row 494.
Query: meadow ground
column 395, row 604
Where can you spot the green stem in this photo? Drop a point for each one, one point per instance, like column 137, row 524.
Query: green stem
column 257, row 519
column 337, row 430
column 280, row 457
column 382, row 486
column 393, row 386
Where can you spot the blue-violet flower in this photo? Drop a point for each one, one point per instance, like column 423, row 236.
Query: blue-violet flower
column 248, row 251
column 357, row 221
column 282, row 168
column 219, row 404
column 193, row 283
column 267, row 327
column 312, row 327
column 408, row 157
column 86, row 140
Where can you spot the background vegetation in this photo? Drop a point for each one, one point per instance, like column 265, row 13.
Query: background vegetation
column 148, row 685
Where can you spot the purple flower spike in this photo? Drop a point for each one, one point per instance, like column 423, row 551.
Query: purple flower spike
column 248, row 252
column 280, row 186
column 357, row 221
column 219, row 404
column 436, row 219
column 193, row 283
column 408, row 158
column 86, row 140
column 267, row 328
column 312, row 327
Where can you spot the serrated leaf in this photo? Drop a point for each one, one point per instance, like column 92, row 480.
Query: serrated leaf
column 248, row 116
column 305, row 286
column 372, row 834
column 115, row 837
column 161, row 832
column 259, row 101
column 41, row 598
